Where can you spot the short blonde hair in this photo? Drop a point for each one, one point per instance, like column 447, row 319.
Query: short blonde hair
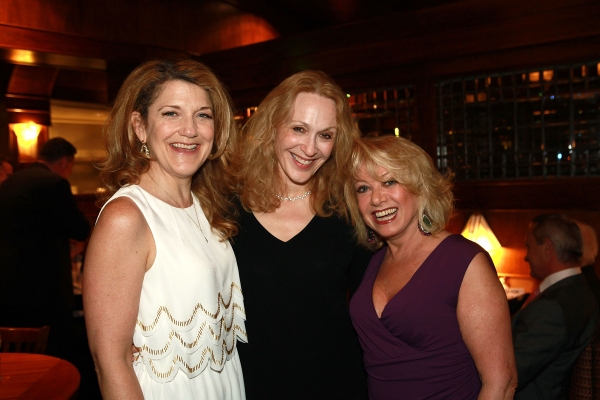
column 412, row 168
column 254, row 163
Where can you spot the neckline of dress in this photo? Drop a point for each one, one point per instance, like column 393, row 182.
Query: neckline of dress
column 275, row 237
column 409, row 281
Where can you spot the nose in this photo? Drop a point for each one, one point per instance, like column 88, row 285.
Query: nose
column 310, row 146
column 188, row 128
column 378, row 196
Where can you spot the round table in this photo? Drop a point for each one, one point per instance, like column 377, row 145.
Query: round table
column 36, row 376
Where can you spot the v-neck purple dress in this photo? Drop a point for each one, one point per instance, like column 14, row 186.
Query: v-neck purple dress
column 415, row 350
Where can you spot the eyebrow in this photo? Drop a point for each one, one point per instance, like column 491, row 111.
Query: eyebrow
column 179, row 107
column 331, row 128
column 305, row 124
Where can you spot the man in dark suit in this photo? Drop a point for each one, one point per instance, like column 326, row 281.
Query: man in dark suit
column 38, row 216
column 550, row 331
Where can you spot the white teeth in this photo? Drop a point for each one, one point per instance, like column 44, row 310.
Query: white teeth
column 302, row 161
column 385, row 214
column 185, row 146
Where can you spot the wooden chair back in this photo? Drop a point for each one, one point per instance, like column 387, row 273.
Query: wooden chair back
column 24, row 340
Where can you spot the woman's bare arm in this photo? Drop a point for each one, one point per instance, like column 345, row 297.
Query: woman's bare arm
column 120, row 251
column 484, row 322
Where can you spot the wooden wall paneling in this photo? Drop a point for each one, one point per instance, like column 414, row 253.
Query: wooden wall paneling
column 12, row 37
column 117, row 72
column 563, row 52
column 427, row 37
column 32, row 80
column 82, row 86
column 5, row 74
column 4, row 132
column 563, row 193
column 425, row 107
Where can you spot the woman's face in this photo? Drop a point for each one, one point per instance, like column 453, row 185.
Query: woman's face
column 180, row 129
column 386, row 207
column 305, row 140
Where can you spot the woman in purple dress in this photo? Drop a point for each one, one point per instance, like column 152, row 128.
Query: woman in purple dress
column 431, row 315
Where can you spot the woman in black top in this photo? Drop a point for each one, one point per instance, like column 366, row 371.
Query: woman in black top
column 296, row 254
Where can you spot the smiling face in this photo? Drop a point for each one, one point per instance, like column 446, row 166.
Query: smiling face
column 305, row 140
column 385, row 205
column 179, row 131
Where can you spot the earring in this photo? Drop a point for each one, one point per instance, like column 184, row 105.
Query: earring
column 427, row 223
column 144, row 150
column 426, row 220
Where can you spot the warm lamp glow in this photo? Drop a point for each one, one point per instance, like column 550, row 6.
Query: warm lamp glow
column 480, row 232
column 27, row 134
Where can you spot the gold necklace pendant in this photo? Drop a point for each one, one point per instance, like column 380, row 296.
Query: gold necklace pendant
column 197, row 222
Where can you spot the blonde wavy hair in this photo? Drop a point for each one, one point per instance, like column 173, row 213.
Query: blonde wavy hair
column 254, row 164
column 412, row 168
column 124, row 163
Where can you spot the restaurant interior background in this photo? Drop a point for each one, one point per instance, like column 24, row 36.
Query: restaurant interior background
column 504, row 93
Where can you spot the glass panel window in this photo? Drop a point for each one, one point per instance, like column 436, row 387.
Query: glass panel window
column 533, row 123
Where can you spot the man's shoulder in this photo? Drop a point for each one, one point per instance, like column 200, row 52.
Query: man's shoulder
column 571, row 295
column 574, row 296
column 35, row 172
column 574, row 283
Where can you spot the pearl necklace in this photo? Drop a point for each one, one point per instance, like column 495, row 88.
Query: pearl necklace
column 282, row 198
column 197, row 222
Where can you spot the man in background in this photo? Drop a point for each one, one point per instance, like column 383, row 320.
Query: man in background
column 38, row 216
column 552, row 329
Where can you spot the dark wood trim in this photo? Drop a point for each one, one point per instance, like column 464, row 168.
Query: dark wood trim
column 426, row 110
column 557, row 194
column 12, row 37
column 462, row 35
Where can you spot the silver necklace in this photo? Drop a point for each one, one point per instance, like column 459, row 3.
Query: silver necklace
column 282, row 198
column 197, row 222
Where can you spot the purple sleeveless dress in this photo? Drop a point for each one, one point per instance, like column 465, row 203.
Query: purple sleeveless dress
column 416, row 351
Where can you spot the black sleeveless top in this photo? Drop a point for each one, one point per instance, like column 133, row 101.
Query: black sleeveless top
column 301, row 343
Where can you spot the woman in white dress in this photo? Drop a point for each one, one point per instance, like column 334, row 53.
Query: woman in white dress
column 159, row 271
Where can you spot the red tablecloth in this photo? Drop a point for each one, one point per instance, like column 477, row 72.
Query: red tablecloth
column 36, row 376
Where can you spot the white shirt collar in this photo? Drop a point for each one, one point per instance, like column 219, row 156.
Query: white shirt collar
column 558, row 276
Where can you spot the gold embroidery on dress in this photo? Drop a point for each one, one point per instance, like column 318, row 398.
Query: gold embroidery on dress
column 233, row 330
column 220, row 300
column 192, row 369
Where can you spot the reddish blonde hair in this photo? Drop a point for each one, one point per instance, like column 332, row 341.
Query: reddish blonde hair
column 252, row 156
column 124, row 163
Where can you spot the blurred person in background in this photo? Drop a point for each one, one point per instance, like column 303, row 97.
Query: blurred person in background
column 38, row 217
column 559, row 318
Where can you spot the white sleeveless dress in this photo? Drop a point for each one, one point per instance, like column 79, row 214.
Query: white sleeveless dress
column 191, row 308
